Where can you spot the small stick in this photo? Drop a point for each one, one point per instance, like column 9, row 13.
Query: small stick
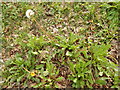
column 26, row 70
column 44, row 31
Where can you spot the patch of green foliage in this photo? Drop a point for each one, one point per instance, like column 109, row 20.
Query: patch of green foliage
column 36, row 60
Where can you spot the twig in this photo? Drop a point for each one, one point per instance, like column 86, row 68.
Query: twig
column 44, row 31
column 26, row 70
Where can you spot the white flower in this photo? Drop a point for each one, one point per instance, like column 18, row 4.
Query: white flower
column 29, row 13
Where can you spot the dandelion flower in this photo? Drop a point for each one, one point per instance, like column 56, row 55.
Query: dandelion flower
column 29, row 13
column 32, row 74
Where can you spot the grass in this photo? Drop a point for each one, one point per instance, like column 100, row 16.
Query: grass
column 60, row 46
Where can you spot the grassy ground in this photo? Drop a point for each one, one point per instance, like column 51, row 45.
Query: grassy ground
column 70, row 45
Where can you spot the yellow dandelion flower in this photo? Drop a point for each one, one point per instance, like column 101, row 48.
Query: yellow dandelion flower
column 32, row 74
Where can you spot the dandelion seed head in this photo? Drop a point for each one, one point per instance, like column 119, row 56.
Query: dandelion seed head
column 29, row 13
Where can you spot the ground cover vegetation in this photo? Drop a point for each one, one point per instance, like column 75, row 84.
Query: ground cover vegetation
column 70, row 45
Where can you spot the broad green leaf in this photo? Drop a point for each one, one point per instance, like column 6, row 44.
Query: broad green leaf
column 13, row 68
column 37, row 86
column 39, row 66
column 60, row 78
column 101, row 82
column 100, row 50
column 88, row 63
column 82, row 83
column 19, row 79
